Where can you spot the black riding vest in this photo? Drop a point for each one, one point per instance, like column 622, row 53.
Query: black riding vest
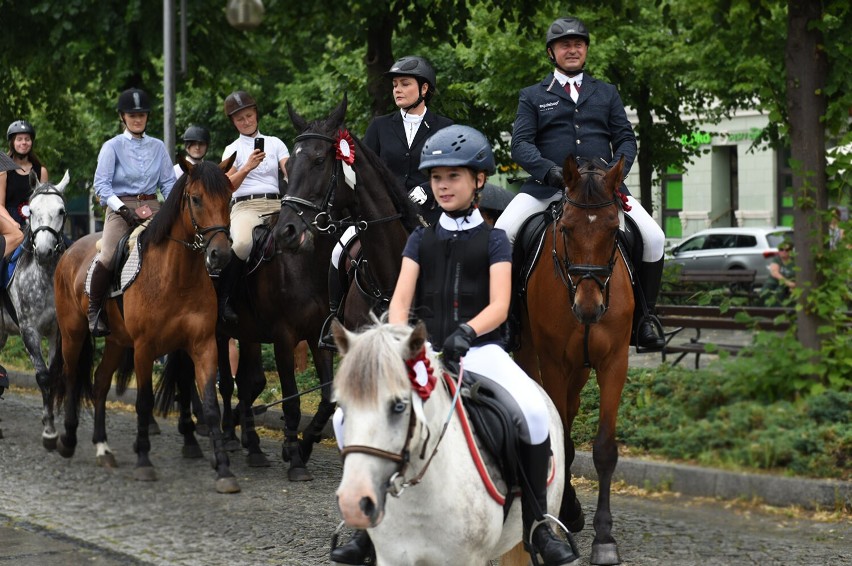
column 454, row 284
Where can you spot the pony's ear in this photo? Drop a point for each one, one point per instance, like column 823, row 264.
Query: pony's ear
column 570, row 173
column 185, row 165
column 339, row 114
column 64, row 182
column 228, row 163
column 416, row 340
column 33, row 180
column 300, row 123
column 615, row 175
column 341, row 336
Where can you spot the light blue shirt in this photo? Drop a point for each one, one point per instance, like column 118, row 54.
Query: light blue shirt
column 129, row 166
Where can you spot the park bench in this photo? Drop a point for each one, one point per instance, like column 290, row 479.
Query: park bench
column 737, row 282
column 676, row 319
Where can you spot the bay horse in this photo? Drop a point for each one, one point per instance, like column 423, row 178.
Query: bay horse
column 332, row 189
column 171, row 305
column 31, row 290
column 578, row 317
column 405, row 438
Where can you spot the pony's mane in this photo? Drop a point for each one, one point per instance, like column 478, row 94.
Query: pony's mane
column 372, row 364
column 216, row 185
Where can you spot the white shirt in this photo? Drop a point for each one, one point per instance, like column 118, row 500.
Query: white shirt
column 411, row 123
column 576, row 79
column 179, row 171
column 263, row 178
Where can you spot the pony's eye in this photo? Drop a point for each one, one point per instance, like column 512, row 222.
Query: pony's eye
column 398, row 406
column 319, row 161
column 196, row 200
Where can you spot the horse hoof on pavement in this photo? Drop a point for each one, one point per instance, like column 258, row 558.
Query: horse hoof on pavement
column 258, row 460
column 227, row 485
column 191, row 452
column 145, row 473
column 299, row 474
column 605, row 554
column 106, row 460
column 64, row 450
column 49, row 442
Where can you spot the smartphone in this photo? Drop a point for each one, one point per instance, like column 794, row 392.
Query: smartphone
column 258, row 143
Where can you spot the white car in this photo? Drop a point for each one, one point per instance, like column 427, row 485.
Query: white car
column 731, row 248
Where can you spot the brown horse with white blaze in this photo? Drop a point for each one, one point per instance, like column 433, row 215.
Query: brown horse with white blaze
column 171, row 305
column 578, row 317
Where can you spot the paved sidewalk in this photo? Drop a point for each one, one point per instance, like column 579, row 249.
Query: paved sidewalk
column 685, row 479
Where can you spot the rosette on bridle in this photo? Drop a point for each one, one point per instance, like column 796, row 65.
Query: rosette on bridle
column 345, row 153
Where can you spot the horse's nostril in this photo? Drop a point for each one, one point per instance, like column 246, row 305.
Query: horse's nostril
column 368, row 506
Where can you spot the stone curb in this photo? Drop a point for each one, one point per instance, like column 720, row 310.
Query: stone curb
column 663, row 476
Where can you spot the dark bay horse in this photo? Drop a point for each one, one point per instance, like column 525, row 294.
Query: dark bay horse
column 31, row 290
column 332, row 189
column 171, row 305
column 579, row 308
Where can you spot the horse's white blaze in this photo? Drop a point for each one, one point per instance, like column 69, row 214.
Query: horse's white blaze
column 592, row 218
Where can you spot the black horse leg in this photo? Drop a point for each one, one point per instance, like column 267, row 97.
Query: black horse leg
column 225, row 480
column 226, row 388
column 323, row 361
column 285, row 363
column 570, row 511
column 252, row 381
column 144, row 470
column 605, row 456
column 186, row 395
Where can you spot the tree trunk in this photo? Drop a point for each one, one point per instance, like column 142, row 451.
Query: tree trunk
column 645, row 158
column 807, row 70
column 379, row 59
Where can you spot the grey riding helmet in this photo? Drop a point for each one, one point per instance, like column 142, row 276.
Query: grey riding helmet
column 196, row 134
column 566, row 27
column 20, row 127
column 458, row 146
column 134, row 100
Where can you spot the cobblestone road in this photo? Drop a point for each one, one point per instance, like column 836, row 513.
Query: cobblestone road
column 181, row 520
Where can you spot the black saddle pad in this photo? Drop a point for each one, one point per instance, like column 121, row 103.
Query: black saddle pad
column 263, row 244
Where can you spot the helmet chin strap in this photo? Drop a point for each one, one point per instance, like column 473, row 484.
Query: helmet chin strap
column 469, row 210
column 564, row 70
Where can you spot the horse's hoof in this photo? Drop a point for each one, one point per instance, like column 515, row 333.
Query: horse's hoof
column 49, row 442
column 232, row 445
column 299, row 474
column 106, row 460
column 145, row 473
column 258, row 460
column 64, row 451
column 604, row 554
column 227, row 485
column 191, row 451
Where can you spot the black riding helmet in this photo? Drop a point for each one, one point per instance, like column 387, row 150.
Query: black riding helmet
column 196, row 134
column 133, row 100
column 20, row 127
column 566, row 27
column 421, row 70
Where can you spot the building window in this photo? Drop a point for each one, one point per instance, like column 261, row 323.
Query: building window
column 672, row 202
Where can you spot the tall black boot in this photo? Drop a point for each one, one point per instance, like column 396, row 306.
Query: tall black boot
column 98, row 290
column 535, row 461
column 225, row 287
column 648, row 334
column 358, row 551
column 335, row 300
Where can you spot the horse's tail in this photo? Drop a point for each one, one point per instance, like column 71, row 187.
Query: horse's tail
column 83, row 388
column 124, row 372
column 179, row 373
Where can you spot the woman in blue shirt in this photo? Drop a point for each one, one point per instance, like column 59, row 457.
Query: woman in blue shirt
column 131, row 166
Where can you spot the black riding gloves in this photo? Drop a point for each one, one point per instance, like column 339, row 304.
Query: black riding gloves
column 129, row 216
column 554, row 178
column 458, row 343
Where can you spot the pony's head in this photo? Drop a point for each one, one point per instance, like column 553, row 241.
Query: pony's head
column 385, row 374
column 315, row 179
column 47, row 217
column 197, row 214
column 591, row 208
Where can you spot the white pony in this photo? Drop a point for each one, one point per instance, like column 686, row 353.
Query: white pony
column 31, row 289
column 440, row 512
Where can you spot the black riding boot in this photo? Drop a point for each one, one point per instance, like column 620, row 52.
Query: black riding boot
column 648, row 334
column 553, row 550
column 335, row 299
column 358, row 551
column 225, row 286
column 98, row 290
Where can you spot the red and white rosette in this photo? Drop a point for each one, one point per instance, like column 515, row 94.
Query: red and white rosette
column 24, row 210
column 345, row 149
